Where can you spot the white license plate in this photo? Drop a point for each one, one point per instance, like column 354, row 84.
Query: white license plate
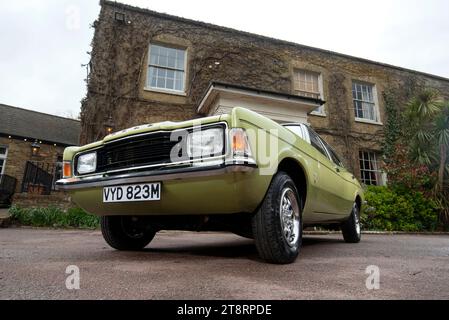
column 133, row 192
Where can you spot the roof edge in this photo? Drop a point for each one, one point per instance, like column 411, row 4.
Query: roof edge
column 43, row 113
column 44, row 141
column 124, row 6
column 217, row 84
column 223, row 85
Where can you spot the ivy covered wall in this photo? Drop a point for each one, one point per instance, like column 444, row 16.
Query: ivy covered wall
column 119, row 60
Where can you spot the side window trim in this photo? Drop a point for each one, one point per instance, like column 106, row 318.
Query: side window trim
column 318, row 138
column 325, row 148
column 331, row 151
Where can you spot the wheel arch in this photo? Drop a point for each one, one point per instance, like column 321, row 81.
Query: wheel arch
column 296, row 171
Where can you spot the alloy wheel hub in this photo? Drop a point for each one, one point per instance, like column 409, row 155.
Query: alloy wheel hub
column 289, row 215
column 357, row 220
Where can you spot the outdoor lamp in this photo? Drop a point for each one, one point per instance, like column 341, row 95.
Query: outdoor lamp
column 109, row 124
column 35, row 146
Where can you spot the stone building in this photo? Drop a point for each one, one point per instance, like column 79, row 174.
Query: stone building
column 31, row 148
column 147, row 67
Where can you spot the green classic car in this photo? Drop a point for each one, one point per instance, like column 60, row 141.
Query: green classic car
column 239, row 172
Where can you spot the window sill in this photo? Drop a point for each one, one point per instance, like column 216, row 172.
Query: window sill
column 368, row 121
column 172, row 92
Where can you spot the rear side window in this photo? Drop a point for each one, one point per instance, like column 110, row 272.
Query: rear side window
column 333, row 154
column 315, row 141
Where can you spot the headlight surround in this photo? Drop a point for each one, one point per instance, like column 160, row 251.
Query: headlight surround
column 205, row 143
column 86, row 163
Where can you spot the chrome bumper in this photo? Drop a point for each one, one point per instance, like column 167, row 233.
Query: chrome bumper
column 150, row 176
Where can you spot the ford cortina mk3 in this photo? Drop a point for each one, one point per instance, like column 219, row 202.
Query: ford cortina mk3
column 239, row 172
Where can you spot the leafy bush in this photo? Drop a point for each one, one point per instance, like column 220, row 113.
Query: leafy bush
column 54, row 217
column 403, row 173
column 395, row 209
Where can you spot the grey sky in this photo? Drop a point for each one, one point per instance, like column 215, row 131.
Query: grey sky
column 44, row 42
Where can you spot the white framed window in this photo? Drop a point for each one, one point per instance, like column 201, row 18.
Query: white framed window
column 365, row 102
column 166, row 69
column 3, row 156
column 309, row 84
column 370, row 171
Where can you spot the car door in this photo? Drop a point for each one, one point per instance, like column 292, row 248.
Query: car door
column 347, row 187
column 329, row 203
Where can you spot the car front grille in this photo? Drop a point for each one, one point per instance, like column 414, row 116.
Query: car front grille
column 136, row 151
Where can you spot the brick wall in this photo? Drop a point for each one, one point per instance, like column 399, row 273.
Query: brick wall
column 19, row 152
column 57, row 199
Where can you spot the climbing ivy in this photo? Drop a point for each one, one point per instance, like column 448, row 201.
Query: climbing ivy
column 393, row 125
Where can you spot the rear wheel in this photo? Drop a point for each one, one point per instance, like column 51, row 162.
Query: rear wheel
column 351, row 228
column 277, row 225
column 126, row 232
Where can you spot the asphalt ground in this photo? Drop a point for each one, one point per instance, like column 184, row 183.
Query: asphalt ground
column 188, row 265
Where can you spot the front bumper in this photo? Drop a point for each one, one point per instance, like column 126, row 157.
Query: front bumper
column 216, row 189
column 148, row 176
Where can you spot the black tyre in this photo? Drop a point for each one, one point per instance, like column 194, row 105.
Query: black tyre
column 126, row 233
column 351, row 228
column 277, row 225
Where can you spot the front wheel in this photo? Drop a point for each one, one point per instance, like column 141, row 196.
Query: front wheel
column 277, row 226
column 126, row 233
column 351, row 228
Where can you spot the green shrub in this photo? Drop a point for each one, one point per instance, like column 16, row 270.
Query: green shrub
column 54, row 217
column 395, row 209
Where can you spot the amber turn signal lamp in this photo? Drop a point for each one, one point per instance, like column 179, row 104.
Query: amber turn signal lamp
column 239, row 143
column 67, row 169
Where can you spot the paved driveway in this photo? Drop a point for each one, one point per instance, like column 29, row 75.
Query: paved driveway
column 217, row 266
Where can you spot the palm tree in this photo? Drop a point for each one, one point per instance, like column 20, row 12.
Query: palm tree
column 425, row 104
column 441, row 133
column 428, row 137
column 421, row 111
